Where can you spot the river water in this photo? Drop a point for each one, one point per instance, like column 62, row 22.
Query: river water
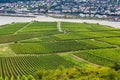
column 8, row 20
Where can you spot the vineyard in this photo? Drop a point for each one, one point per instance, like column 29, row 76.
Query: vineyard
column 55, row 47
column 19, row 65
column 105, row 57
column 28, row 47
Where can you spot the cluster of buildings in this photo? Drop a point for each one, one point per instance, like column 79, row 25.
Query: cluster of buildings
column 85, row 8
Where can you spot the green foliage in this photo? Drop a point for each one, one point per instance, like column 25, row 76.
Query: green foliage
column 112, row 40
column 105, row 57
column 25, row 65
column 116, row 66
column 40, row 27
column 84, row 27
column 36, row 29
column 30, row 77
column 18, row 77
column 6, row 78
column 57, row 46
column 12, row 78
column 24, row 78
column 11, row 28
column 18, row 37
column 76, row 73
column 1, row 78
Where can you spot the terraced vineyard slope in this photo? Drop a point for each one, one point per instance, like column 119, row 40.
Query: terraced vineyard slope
column 28, row 47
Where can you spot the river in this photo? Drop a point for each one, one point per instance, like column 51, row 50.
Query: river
column 8, row 20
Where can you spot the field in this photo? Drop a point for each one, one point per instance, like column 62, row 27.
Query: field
column 28, row 47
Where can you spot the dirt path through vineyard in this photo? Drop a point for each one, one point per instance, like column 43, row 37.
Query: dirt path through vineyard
column 81, row 59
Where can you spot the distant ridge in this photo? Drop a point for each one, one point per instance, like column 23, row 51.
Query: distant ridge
column 11, row 1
